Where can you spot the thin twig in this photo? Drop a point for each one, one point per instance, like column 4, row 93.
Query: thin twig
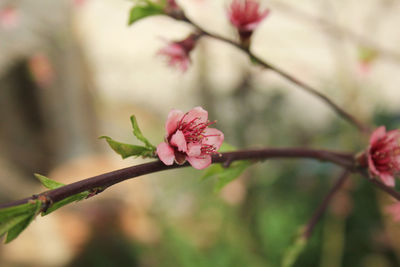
column 340, row 111
column 339, row 31
column 324, row 204
column 106, row 180
column 385, row 188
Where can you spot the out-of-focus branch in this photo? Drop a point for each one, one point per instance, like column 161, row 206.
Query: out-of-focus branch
column 98, row 183
column 339, row 31
column 306, row 87
column 324, row 204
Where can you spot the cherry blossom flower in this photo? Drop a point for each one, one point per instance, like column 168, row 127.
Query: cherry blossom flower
column 384, row 155
column 189, row 138
column 9, row 17
column 245, row 15
column 178, row 53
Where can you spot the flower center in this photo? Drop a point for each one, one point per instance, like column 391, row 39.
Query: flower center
column 193, row 131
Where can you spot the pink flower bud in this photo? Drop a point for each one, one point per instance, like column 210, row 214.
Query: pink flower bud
column 245, row 15
column 384, row 155
column 178, row 53
column 189, row 138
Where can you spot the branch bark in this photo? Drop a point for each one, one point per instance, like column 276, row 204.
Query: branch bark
column 324, row 204
column 306, row 87
column 103, row 181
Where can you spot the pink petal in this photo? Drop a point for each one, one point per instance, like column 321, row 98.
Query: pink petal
column 213, row 137
column 200, row 162
column 387, row 179
column 394, row 135
column 173, row 119
column 166, row 153
column 196, row 113
column 178, row 140
column 194, row 149
column 371, row 165
column 253, row 25
column 377, row 134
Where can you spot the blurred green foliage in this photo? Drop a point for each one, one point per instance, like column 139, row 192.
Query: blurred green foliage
column 280, row 197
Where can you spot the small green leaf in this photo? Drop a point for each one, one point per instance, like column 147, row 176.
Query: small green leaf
column 225, row 175
column 16, row 219
column 225, row 147
column 65, row 201
column 48, row 183
column 293, row 252
column 8, row 223
column 128, row 150
column 144, row 8
column 138, row 133
column 254, row 60
column 212, row 171
column 17, row 229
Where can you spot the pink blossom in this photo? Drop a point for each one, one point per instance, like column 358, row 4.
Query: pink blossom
column 245, row 15
column 394, row 211
column 9, row 17
column 178, row 53
column 172, row 4
column 79, row 3
column 384, row 154
column 189, row 138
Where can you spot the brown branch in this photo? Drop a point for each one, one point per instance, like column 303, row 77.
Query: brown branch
column 385, row 188
column 340, row 111
column 324, row 204
column 106, row 180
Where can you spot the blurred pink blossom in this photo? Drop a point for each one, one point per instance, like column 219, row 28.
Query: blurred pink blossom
column 178, row 53
column 9, row 17
column 394, row 211
column 41, row 69
column 172, row 4
column 384, row 154
column 79, row 3
column 245, row 15
column 189, row 138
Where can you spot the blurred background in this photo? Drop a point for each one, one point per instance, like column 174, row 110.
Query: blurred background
column 72, row 70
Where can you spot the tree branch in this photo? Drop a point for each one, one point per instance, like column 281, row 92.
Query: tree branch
column 103, row 181
column 324, row 204
column 340, row 111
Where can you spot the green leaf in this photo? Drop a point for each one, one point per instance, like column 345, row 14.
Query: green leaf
column 15, row 219
column 225, row 175
column 128, row 150
column 254, row 60
column 15, row 231
column 143, row 9
column 225, row 147
column 48, row 183
column 139, row 135
column 293, row 252
column 8, row 223
column 65, row 201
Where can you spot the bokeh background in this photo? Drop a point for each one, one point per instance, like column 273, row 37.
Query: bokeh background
column 72, row 70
